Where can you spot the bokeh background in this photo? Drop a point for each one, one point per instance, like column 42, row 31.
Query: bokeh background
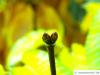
column 23, row 22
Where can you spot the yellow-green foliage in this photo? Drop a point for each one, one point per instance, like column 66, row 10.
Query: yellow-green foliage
column 92, row 10
column 93, row 41
column 2, row 71
column 37, row 63
column 3, row 4
column 74, row 60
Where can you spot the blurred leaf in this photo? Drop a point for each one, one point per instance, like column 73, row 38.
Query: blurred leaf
column 2, row 72
column 26, row 70
column 92, row 10
column 18, row 22
column 75, row 59
column 2, row 5
column 93, row 41
column 65, row 58
column 79, row 56
column 37, row 63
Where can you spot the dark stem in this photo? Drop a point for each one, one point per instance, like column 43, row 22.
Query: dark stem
column 52, row 59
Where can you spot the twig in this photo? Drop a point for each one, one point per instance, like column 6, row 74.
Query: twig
column 50, row 40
